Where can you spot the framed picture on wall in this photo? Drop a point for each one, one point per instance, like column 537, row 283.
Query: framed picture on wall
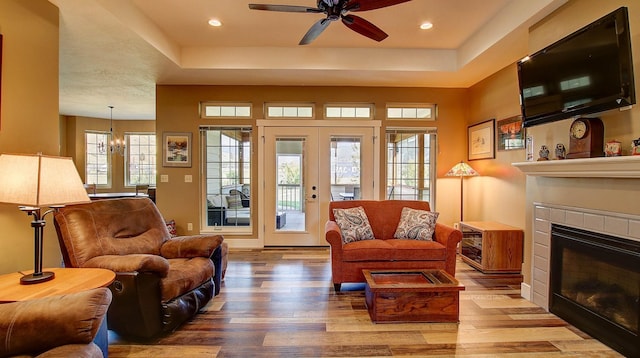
column 176, row 149
column 481, row 140
column 510, row 134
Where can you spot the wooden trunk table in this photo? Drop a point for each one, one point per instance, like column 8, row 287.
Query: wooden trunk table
column 412, row 296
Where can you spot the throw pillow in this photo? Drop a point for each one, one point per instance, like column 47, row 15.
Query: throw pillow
column 354, row 224
column 171, row 226
column 234, row 202
column 416, row 224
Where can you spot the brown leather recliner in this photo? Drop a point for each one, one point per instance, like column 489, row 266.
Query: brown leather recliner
column 56, row 326
column 160, row 281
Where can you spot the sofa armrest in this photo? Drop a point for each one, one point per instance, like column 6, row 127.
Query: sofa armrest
column 37, row 325
column 130, row 263
column 449, row 237
column 190, row 246
column 333, row 235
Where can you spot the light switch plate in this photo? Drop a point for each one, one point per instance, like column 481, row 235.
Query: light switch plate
column 188, row 178
column 164, row 178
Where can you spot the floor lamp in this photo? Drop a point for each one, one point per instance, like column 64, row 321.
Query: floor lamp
column 461, row 170
column 34, row 182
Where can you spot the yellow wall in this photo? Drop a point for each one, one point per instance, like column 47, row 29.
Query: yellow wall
column 177, row 111
column 29, row 115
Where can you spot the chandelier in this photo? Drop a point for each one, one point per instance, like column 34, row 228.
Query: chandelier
column 115, row 145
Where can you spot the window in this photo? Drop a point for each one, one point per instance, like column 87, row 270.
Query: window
column 274, row 110
column 424, row 111
column 225, row 110
column 140, row 162
column 97, row 160
column 345, row 167
column 411, row 164
column 227, row 168
column 361, row 111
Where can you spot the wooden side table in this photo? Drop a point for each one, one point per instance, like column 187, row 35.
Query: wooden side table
column 492, row 247
column 67, row 280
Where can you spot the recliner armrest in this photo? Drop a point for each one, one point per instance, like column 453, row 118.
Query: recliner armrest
column 131, row 263
column 190, row 246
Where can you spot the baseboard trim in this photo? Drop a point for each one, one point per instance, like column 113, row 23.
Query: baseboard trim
column 525, row 291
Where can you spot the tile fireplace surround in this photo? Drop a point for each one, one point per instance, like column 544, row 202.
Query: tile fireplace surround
column 615, row 224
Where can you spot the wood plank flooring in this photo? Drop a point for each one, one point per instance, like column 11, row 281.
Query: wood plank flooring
column 281, row 303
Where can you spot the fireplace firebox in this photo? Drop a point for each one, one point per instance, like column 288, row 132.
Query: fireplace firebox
column 595, row 285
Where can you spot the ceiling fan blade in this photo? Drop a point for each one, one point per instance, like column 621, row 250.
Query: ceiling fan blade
column 365, row 5
column 284, row 8
column 315, row 31
column 364, row 27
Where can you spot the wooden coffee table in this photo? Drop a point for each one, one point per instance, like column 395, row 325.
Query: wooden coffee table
column 412, row 296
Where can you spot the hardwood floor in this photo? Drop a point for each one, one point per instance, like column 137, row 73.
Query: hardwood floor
column 281, row 303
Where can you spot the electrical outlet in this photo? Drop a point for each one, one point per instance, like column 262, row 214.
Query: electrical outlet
column 164, row 178
column 188, row 178
column 189, row 227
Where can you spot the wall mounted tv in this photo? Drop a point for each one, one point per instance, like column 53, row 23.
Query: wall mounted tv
column 587, row 72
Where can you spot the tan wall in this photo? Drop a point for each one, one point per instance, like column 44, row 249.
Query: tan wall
column 29, row 120
column 76, row 128
column 177, row 111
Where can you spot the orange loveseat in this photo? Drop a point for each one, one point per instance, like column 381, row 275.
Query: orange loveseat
column 386, row 252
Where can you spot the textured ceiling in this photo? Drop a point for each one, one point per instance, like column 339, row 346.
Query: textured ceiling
column 114, row 52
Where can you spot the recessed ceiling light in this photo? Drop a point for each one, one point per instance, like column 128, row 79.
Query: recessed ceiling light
column 215, row 23
column 426, row 25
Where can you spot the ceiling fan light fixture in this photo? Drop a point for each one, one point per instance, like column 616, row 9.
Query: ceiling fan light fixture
column 426, row 25
column 215, row 23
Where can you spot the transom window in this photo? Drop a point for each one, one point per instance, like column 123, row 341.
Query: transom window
column 140, row 162
column 360, row 111
column 97, row 159
column 274, row 110
column 423, row 111
column 225, row 110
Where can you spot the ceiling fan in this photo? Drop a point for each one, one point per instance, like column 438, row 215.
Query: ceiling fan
column 336, row 10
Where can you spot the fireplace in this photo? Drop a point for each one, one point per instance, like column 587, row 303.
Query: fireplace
column 595, row 285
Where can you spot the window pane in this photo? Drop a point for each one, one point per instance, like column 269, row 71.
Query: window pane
column 410, row 166
column 140, row 162
column 227, row 167
column 97, row 168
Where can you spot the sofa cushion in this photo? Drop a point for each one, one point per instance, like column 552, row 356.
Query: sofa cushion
column 416, row 224
column 354, row 224
column 417, row 250
column 393, row 250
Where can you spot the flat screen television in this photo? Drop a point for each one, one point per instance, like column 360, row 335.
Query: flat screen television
column 587, row 72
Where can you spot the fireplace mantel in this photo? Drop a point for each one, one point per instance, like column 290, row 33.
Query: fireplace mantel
column 605, row 167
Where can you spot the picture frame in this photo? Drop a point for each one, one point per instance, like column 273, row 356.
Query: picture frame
column 510, row 133
column 481, row 140
column 176, row 149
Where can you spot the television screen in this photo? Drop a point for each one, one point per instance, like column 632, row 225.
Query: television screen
column 586, row 72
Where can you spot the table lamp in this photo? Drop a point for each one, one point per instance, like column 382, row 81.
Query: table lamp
column 36, row 181
column 461, row 170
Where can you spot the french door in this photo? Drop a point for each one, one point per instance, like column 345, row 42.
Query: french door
column 304, row 168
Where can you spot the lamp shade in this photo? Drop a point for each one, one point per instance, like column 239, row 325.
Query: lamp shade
column 461, row 169
column 39, row 180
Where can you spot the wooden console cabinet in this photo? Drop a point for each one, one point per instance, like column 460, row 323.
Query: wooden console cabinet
column 492, row 247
